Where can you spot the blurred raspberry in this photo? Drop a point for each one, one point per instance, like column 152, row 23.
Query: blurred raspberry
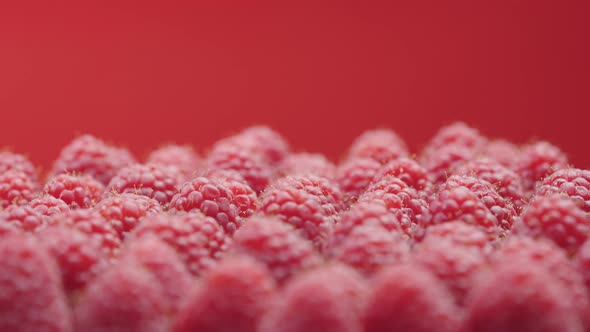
column 7, row 229
column 573, row 182
column 15, row 188
column 261, row 141
column 77, row 191
column 233, row 296
column 538, row 160
column 277, row 245
column 32, row 297
column 502, row 151
column 354, row 176
column 582, row 261
column 327, row 191
column 92, row 156
column 199, row 241
column 459, row 234
column 381, row 145
column 125, row 211
column 10, row 161
column 49, row 205
column 245, row 197
column 181, row 158
column 306, row 163
column 409, row 298
column 443, row 162
column 157, row 182
column 23, row 217
column 410, row 172
column 457, row 134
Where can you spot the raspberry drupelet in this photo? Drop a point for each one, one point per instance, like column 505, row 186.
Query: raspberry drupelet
column 125, row 211
column 245, row 198
column 537, row 161
column 181, row 158
column 410, row 172
column 381, row 145
column 24, row 217
column 16, row 188
column 354, row 176
column 77, row 191
column 573, row 182
column 10, row 161
column 304, row 163
column 48, row 205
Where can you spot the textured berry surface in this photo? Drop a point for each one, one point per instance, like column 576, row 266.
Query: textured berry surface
column 125, row 211
column 381, row 145
column 355, row 176
column 307, row 163
column 10, row 161
column 157, row 182
column 245, row 198
column 573, row 182
column 409, row 171
column 24, row 217
column 77, row 191
column 181, row 158
column 49, row 205
column 15, row 188
column 443, row 163
column 538, row 160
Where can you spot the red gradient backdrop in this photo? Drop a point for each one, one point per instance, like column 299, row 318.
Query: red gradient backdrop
column 140, row 73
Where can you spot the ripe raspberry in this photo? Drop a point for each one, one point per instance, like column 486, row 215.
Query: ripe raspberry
column 381, row 145
column 199, row 241
column 125, row 211
column 90, row 155
column 234, row 296
column 501, row 151
column 162, row 262
column 326, row 299
column 557, row 218
column 261, row 141
column 23, row 217
column 410, row 172
column 245, row 198
column 444, row 161
column 571, row 181
column 157, row 182
column 77, row 254
column 329, row 194
column 210, row 197
column 409, row 298
column 582, row 261
column 505, row 181
column 306, row 163
column 77, row 191
column 460, row 234
column 275, row 244
column 183, row 159
column 457, row 134
column 498, row 206
column 124, row 298
column 369, row 248
column 32, row 298
column 538, row 160
column 10, row 161
column 6, row 228
column 49, row 205
column 354, row 176
column 15, row 188
column 519, row 296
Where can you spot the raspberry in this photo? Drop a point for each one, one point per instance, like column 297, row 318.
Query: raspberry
column 157, row 182
column 505, row 181
column 77, row 255
column 261, row 141
column 326, row 299
column 77, row 191
column 32, row 298
column 10, row 161
column 408, row 171
column 234, row 296
column 6, row 228
column 369, row 248
column 354, row 176
column 245, row 197
column 15, row 188
column 460, row 234
column 125, row 211
column 329, row 194
column 275, row 244
column 572, row 181
column 582, row 261
column 211, row 198
column 199, row 241
column 501, row 151
column 49, row 205
column 183, row 159
column 443, row 162
column 519, row 296
column 305, row 164
column 124, row 298
column 381, row 145
column 498, row 206
column 538, row 160
column 558, row 219
column 162, row 262
column 24, row 217
column 90, row 155
column 409, row 298
column 457, row 134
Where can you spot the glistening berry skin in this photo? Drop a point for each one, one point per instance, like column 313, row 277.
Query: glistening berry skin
column 77, row 191
column 573, row 182
column 157, row 182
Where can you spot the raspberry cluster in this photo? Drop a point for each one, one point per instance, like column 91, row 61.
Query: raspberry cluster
column 473, row 234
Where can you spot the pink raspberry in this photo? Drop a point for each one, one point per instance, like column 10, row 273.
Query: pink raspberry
column 10, row 161
column 245, row 198
column 556, row 218
column 15, row 188
column 49, row 205
column 32, row 297
column 124, row 298
column 24, row 217
column 444, row 161
column 328, row 192
column 520, row 296
column 582, row 261
column 307, row 163
column 77, row 191
column 199, row 241
column 162, row 262
column 460, row 234
column 183, row 159
column 573, row 182
column 381, row 145
column 409, row 298
column 6, row 228
column 90, row 155
column 355, row 175
column 157, row 182
column 325, row 299
column 410, row 172
column 125, row 211
column 212, row 198
column 501, row 151
column 275, row 244
column 261, row 141
column 538, row 160
column 457, row 134
column 234, row 296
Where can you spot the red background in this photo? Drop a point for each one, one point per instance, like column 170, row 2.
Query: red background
column 319, row 71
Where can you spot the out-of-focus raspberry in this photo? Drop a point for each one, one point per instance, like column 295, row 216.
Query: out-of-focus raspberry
column 180, row 157
column 326, row 299
column 92, row 156
column 573, row 182
column 306, row 163
column 245, row 198
column 125, row 211
column 16, row 188
column 32, row 296
column 538, row 160
column 199, row 241
column 24, row 217
column 234, row 296
column 277, row 245
column 10, row 161
column 410, row 172
column 126, row 297
column 261, row 141
column 6, row 228
column 442, row 163
column 457, row 134
column 410, row 298
column 459, row 234
column 381, row 145
column 49, row 205
column 355, row 175
column 501, row 151
column 77, row 191
column 582, row 260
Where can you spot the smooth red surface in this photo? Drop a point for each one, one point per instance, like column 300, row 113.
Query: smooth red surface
column 140, row 73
